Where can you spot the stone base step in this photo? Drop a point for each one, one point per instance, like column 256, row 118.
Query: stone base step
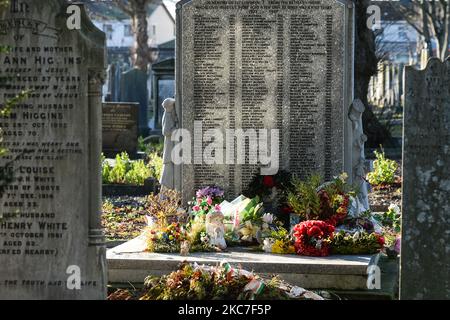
column 128, row 263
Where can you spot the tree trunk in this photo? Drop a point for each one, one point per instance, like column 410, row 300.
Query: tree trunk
column 426, row 29
column 140, row 28
column 366, row 64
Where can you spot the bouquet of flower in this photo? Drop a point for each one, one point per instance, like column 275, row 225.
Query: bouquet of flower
column 334, row 206
column 313, row 237
column 166, row 238
column 197, row 237
column 255, row 224
column 279, row 241
column 272, row 190
column 357, row 243
column 207, row 199
column 263, row 186
column 194, row 282
column 328, row 202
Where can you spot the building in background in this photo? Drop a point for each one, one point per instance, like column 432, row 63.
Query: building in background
column 117, row 26
column 398, row 44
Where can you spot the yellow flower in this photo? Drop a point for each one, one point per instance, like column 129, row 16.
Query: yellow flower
column 249, row 231
column 343, row 177
column 291, row 250
column 277, row 247
column 281, row 247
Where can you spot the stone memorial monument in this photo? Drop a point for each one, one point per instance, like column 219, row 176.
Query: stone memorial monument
column 52, row 240
column 120, row 128
column 133, row 88
column 264, row 65
column 425, row 250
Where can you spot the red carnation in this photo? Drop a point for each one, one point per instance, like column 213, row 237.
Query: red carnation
column 314, row 232
column 268, row 182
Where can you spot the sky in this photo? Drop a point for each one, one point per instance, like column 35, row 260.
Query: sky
column 171, row 6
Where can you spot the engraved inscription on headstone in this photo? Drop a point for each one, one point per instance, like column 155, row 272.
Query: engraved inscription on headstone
column 425, row 252
column 51, row 236
column 120, row 128
column 266, row 64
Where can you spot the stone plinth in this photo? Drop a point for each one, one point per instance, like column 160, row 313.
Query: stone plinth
column 128, row 263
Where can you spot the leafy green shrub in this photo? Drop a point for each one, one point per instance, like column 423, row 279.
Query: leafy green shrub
column 138, row 173
column 125, row 171
column 151, row 147
column 304, row 199
column 106, row 169
column 383, row 170
column 391, row 219
column 120, row 169
column 156, row 165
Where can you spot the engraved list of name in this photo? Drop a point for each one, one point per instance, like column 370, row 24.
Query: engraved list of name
column 271, row 64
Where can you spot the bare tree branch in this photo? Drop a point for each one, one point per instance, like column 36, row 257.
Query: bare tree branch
column 431, row 19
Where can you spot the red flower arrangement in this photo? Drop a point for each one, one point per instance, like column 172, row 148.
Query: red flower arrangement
column 312, row 238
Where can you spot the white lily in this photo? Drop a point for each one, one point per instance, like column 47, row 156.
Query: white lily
column 267, row 218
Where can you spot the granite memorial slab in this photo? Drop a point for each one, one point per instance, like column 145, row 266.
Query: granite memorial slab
column 133, row 88
column 264, row 65
column 120, row 128
column 425, row 251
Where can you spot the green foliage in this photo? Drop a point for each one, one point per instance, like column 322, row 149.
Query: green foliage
column 383, row 170
column 150, row 147
column 391, row 219
column 125, row 171
column 304, row 199
column 358, row 243
column 281, row 234
column 155, row 163
column 120, row 169
column 138, row 173
column 253, row 211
